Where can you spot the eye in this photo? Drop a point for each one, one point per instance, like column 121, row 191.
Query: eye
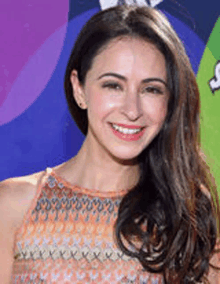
column 153, row 90
column 112, row 86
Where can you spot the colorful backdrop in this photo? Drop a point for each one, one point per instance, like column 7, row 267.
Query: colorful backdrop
column 36, row 130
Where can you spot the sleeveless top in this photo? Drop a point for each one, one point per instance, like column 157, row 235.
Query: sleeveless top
column 67, row 237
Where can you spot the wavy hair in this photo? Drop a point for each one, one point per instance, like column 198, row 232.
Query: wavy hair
column 168, row 221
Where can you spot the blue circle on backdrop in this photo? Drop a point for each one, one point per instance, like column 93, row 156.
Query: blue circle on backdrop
column 193, row 44
column 45, row 134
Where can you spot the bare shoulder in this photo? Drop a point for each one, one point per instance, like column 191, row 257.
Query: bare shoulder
column 19, row 183
column 214, row 274
column 16, row 195
column 13, row 187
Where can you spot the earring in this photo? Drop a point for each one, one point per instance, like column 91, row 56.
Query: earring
column 81, row 105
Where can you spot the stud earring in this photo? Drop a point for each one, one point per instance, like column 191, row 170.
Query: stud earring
column 82, row 106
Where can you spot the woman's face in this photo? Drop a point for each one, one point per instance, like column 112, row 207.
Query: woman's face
column 126, row 95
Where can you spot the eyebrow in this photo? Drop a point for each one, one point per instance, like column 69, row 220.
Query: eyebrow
column 147, row 80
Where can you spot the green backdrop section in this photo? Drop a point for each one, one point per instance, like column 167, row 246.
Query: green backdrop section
column 210, row 103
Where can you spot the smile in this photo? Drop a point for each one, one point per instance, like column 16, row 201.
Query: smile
column 126, row 130
column 128, row 134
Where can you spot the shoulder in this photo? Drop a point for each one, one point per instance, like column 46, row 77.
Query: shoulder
column 19, row 183
column 19, row 186
column 214, row 267
column 214, row 273
column 16, row 195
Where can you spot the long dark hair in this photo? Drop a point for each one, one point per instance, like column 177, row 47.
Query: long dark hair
column 172, row 212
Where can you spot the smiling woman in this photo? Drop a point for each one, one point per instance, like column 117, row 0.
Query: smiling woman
column 127, row 81
column 136, row 204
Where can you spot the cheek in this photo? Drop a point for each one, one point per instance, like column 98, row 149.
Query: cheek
column 100, row 105
column 157, row 110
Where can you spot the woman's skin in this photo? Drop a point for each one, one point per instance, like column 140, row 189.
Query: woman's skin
column 125, row 85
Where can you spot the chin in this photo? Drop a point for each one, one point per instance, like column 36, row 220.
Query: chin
column 125, row 156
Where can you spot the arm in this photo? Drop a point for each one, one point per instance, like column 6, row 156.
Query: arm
column 7, row 230
column 15, row 199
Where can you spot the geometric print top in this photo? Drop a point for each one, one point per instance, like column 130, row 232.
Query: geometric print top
column 67, row 237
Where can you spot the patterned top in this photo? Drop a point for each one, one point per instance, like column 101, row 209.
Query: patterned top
column 67, row 237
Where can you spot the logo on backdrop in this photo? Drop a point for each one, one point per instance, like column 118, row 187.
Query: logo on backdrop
column 214, row 83
column 111, row 3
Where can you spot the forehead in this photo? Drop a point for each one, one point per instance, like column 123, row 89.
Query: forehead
column 129, row 55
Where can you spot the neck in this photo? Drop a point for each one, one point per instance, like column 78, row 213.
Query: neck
column 94, row 169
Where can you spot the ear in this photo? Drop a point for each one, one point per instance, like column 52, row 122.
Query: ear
column 78, row 91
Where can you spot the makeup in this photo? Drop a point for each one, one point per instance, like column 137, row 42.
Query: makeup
column 125, row 135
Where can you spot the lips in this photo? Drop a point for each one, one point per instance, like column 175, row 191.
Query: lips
column 127, row 136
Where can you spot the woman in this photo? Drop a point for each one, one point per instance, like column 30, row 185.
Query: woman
column 135, row 205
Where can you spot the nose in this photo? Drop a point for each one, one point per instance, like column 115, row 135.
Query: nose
column 131, row 106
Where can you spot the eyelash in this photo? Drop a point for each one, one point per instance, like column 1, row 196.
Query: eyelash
column 117, row 87
column 112, row 86
column 154, row 90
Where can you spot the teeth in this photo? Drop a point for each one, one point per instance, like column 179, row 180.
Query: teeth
column 126, row 130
